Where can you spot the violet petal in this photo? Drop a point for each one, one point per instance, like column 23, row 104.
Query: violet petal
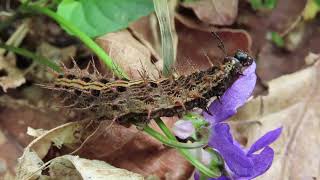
column 234, row 156
column 197, row 177
column 262, row 161
column 183, row 129
column 265, row 140
column 234, row 97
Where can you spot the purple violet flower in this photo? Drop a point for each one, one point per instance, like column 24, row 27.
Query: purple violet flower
column 243, row 164
column 240, row 163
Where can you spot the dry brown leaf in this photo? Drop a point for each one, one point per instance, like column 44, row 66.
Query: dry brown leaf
column 122, row 147
column 214, row 12
column 72, row 166
column 68, row 167
column 133, row 150
column 283, row 18
column 16, row 120
column 56, row 54
column 10, row 75
column 148, row 28
column 68, row 136
column 274, row 62
column 36, row 132
column 293, row 102
column 15, row 116
column 312, row 58
column 130, row 54
column 197, row 48
column 29, row 166
column 9, row 152
column 280, row 19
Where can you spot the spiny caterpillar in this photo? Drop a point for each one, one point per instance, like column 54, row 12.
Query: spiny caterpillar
column 139, row 101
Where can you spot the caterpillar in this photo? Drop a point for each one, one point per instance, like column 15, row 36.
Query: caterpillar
column 136, row 101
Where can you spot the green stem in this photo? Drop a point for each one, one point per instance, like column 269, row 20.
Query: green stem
column 31, row 55
column 170, row 142
column 186, row 154
column 82, row 36
column 164, row 128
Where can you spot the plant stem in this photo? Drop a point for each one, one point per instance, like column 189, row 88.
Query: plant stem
column 185, row 153
column 164, row 128
column 170, row 142
column 31, row 55
column 82, row 36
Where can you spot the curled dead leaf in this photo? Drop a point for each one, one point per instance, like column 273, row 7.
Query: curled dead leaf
column 138, row 153
column 68, row 167
column 214, row 12
column 74, row 167
column 29, row 165
column 136, row 59
column 36, row 132
column 67, row 136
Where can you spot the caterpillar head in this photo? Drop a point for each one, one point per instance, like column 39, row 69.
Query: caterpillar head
column 243, row 58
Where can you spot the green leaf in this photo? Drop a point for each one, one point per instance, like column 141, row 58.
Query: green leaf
column 256, row 4
column 263, row 4
column 37, row 58
column 270, row 4
column 276, row 39
column 98, row 17
column 311, row 9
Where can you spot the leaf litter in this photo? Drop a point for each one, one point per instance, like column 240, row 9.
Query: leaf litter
column 10, row 76
column 67, row 136
column 294, row 108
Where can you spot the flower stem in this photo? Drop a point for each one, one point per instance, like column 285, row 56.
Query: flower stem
column 82, row 36
column 185, row 153
column 31, row 55
column 164, row 128
column 170, row 142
